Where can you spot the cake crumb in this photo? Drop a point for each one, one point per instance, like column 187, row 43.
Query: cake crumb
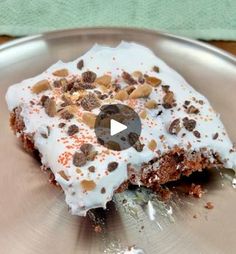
column 195, row 190
column 209, row 205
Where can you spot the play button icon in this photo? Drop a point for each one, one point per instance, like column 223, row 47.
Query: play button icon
column 117, row 127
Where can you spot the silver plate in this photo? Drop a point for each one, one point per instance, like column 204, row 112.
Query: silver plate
column 33, row 214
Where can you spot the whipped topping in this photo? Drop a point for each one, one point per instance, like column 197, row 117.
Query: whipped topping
column 58, row 148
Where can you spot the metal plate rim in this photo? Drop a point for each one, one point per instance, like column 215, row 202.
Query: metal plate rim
column 227, row 56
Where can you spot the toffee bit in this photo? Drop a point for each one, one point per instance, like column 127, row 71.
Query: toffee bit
column 175, row 128
column 91, row 169
column 63, row 175
column 61, row 73
column 72, row 129
column 66, row 115
column 80, row 64
column 89, row 76
column 79, row 159
column 89, row 119
column 104, row 80
column 128, row 78
column 215, row 136
column 40, row 86
column 50, row 107
column 168, row 100
column 141, row 91
column 112, row 166
column 88, row 185
column 151, row 104
column 192, row 110
column 189, row 124
column 86, row 148
column 156, row 69
column 103, row 190
column 90, row 102
column 61, row 125
column 197, row 134
column 153, row 81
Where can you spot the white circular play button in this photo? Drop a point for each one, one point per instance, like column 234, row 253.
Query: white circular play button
column 117, row 127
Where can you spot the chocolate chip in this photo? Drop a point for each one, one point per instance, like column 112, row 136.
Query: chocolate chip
column 82, row 86
column 79, row 159
column 46, row 134
column 175, row 128
column 89, row 102
column 103, row 190
column 189, row 124
column 66, row 115
column 186, row 103
column 141, row 80
column 61, row 125
column 80, row 64
column 135, row 142
column 215, row 136
column 165, row 88
column 159, row 113
column 86, row 148
column 91, row 169
column 43, row 99
column 73, row 129
column 133, row 137
column 112, row 166
column 128, row 78
column 156, row 68
column 192, row 110
column 201, row 102
column 89, row 76
column 116, row 87
column 197, row 134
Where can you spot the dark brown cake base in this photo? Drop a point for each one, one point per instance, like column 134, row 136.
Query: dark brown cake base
column 166, row 168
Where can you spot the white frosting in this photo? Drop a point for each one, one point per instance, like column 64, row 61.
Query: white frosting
column 133, row 250
column 100, row 59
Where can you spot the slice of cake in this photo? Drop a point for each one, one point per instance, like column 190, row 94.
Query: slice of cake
column 55, row 112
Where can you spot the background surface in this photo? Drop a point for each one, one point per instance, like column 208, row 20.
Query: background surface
column 201, row 19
